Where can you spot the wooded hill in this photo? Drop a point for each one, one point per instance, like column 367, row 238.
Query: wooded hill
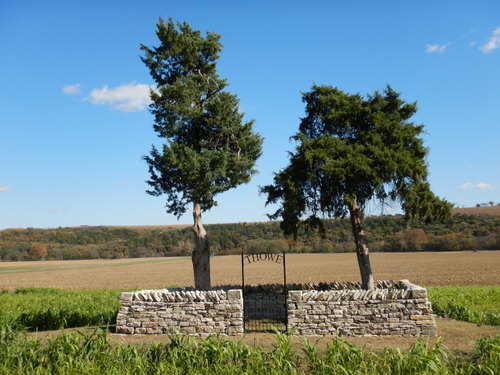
column 385, row 233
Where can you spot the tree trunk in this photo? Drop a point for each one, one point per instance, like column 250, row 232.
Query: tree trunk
column 357, row 220
column 201, row 252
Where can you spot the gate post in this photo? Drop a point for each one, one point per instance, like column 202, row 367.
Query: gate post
column 285, row 292
column 243, row 291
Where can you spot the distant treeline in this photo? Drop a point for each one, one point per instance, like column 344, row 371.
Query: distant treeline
column 384, row 233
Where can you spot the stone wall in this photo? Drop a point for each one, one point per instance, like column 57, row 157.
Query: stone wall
column 402, row 310
column 269, row 301
column 181, row 311
column 338, row 309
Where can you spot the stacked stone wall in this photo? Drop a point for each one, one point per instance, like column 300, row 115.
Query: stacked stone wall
column 181, row 311
column 269, row 301
column 402, row 311
column 338, row 309
column 278, row 288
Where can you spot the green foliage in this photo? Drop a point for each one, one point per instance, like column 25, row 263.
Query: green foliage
column 48, row 309
column 487, row 357
column 352, row 150
column 476, row 304
column 208, row 148
column 384, row 233
column 91, row 353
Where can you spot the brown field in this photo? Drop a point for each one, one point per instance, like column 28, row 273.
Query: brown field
column 425, row 268
column 491, row 210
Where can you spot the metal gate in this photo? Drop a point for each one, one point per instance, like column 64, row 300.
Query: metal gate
column 264, row 307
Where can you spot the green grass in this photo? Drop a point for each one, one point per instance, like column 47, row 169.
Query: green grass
column 476, row 304
column 48, row 309
column 91, row 353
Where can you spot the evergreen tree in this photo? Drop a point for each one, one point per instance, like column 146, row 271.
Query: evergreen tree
column 208, row 147
column 352, row 150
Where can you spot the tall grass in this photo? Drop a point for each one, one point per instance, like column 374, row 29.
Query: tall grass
column 91, row 353
column 476, row 304
column 47, row 308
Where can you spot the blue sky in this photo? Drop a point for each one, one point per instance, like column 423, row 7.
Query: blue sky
column 73, row 100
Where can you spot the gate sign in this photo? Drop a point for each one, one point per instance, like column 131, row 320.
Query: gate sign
column 252, row 258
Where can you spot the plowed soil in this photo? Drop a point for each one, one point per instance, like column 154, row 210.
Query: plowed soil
column 490, row 210
column 424, row 268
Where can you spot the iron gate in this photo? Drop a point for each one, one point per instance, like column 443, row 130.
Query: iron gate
column 264, row 306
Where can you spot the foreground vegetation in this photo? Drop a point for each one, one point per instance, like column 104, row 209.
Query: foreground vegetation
column 48, row 309
column 476, row 304
column 384, row 233
column 91, row 353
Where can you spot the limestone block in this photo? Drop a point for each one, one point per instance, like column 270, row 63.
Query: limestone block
column 319, row 307
column 235, row 330
column 234, row 307
column 425, row 322
column 295, row 295
column 235, row 295
column 126, row 297
column 189, row 330
column 126, row 330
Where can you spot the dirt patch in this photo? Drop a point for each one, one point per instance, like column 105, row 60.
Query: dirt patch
column 424, row 268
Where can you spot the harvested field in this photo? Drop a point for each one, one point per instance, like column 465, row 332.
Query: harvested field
column 490, row 210
column 424, row 268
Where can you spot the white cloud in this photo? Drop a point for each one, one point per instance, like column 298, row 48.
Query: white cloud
column 493, row 43
column 126, row 98
column 484, row 186
column 5, row 188
column 478, row 186
column 436, row 48
column 71, row 89
column 58, row 210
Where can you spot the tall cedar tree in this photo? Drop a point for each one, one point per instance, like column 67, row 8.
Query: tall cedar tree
column 352, row 150
column 208, row 148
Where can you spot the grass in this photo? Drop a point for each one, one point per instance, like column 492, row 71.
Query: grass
column 48, row 308
column 475, row 304
column 91, row 353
